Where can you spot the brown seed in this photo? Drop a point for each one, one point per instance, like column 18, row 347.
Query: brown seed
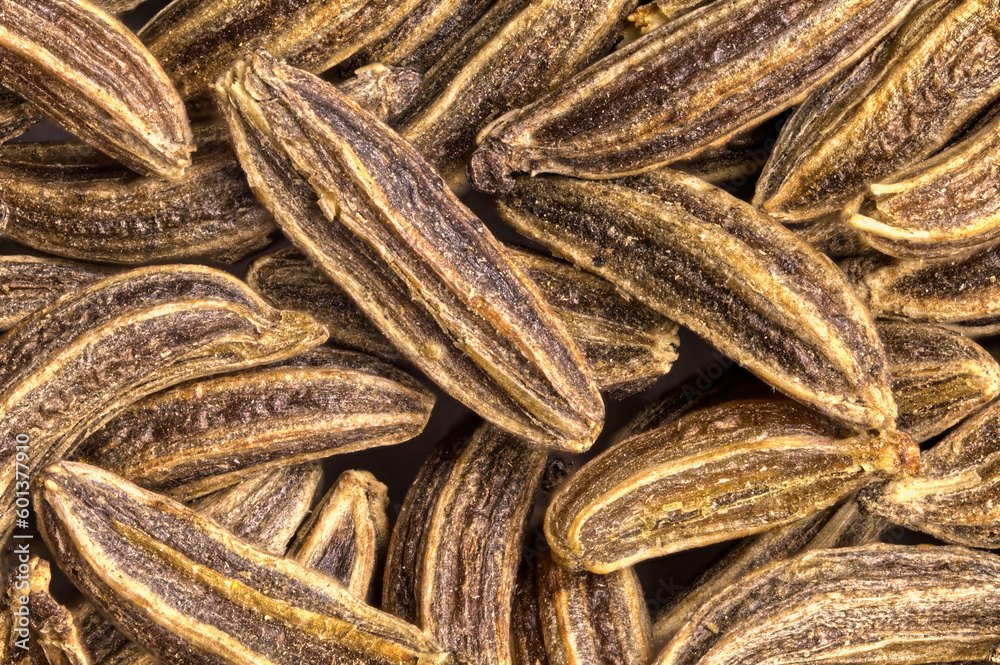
column 143, row 557
column 904, row 101
column 455, row 549
column 28, row 283
column 52, row 623
column 720, row 473
column 92, row 76
column 721, row 268
column 527, row 642
column 413, row 258
column 208, row 434
column 670, row 95
column 72, row 366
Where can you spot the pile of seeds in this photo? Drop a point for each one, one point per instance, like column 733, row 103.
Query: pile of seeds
column 810, row 186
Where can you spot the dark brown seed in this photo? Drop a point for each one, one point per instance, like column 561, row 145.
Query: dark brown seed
column 28, row 283
column 527, row 642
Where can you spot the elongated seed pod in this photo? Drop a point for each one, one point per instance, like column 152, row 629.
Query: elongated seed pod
column 588, row 618
column 954, row 496
column 938, row 376
column 541, row 46
column 527, row 641
column 411, row 256
column 426, row 34
column 456, row 546
column 721, row 268
column 91, row 75
column 949, row 205
column 69, row 368
column 63, row 203
column 720, row 473
column 16, row 115
column 264, row 511
column 141, row 557
column 962, row 294
column 28, row 283
column 886, row 604
column 347, row 535
column 198, row 40
column 902, row 103
column 669, row 95
column 208, row 434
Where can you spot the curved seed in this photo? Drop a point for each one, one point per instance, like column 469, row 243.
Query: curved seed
column 938, row 377
column 455, row 549
column 415, row 260
column 670, row 95
column 527, row 642
column 954, row 497
column 69, row 368
column 426, row 34
column 588, row 618
column 720, row 473
column 348, row 533
column 950, row 204
column 899, row 105
column 142, row 557
column 886, row 604
column 93, row 77
column 721, row 268
column 28, row 283
column 198, row 40
column 514, row 62
column 962, row 294
column 208, row 434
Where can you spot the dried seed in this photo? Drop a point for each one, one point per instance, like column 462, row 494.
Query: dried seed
column 207, row 434
column 72, row 366
column 832, row 236
column 198, row 40
column 588, row 618
column 93, row 77
column 899, row 105
column 938, row 377
column 386, row 92
column 886, row 604
column 527, row 643
column 28, row 283
column 720, row 473
column 455, row 549
column 669, row 95
column 142, row 557
column 947, row 205
column 63, row 202
column 721, row 268
column 962, row 294
column 413, row 258
column 347, row 535
column 16, row 115
column 426, row 34
column 52, row 623
column 954, row 496
column 533, row 52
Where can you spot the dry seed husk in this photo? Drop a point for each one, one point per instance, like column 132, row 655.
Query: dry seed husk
column 899, row 105
column 455, row 548
column 427, row 271
column 16, row 115
column 588, row 618
column 831, row 235
column 938, row 376
column 885, row 604
column 74, row 365
column 386, row 92
column 264, row 511
column 954, row 497
column 205, row 435
column 142, row 557
column 716, row 265
column 533, row 52
column 196, row 41
column 52, row 623
column 948, row 205
column 63, row 202
column 670, row 95
column 92, row 76
column 28, row 283
column 653, row 15
column 720, row 473
column 348, row 533
column 426, row 33
column 527, row 642
column 962, row 294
